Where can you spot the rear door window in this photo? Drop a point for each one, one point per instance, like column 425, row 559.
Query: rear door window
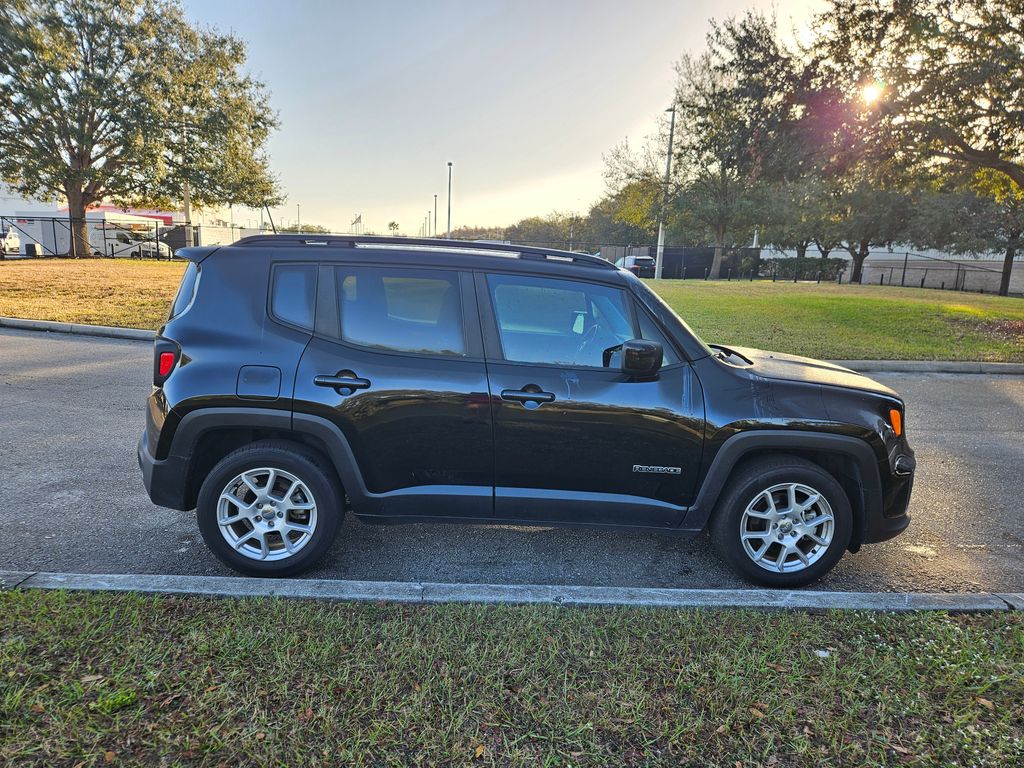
column 402, row 310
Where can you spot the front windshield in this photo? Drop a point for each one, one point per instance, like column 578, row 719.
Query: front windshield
column 664, row 312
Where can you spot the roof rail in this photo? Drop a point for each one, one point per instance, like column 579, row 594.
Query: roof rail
column 434, row 243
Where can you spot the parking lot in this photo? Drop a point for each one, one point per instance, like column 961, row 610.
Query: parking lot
column 71, row 411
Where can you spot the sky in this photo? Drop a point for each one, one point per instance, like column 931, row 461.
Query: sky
column 375, row 98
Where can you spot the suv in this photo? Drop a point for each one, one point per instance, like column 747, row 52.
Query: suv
column 413, row 380
column 641, row 266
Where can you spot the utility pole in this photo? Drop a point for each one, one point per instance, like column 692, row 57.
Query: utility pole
column 435, row 215
column 298, row 218
column 449, row 199
column 660, row 253
column 187, row 201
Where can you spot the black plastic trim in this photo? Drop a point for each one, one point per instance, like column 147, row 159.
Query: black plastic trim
column 744, row 443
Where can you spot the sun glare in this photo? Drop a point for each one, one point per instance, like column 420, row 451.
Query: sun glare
column 871, row 92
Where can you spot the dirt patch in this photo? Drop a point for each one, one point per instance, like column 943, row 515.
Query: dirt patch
column 1004, row 330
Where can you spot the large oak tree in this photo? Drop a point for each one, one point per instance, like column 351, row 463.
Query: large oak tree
column 124, row 100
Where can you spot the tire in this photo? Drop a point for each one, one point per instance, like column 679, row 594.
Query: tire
column 759, row 496
column 310, row 511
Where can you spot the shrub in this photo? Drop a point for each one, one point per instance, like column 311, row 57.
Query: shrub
column 802, row 269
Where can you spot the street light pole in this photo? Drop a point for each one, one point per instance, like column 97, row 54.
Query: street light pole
column 659, row 261
column 449, row 199
column 435, row 215
column 298, row 218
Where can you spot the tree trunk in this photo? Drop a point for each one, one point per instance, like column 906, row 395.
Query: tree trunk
column 801, row 249
column 79, row 245
column 1011, row 252
column 859, row 255
column 716, row 261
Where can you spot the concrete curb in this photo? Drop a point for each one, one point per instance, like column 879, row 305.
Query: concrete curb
column 134, row 334
column 862, row 366
column 931, row 366
column 428, row 592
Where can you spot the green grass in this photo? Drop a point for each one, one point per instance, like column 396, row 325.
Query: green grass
column 87, row 679
column 828, row 320
column 851, row 322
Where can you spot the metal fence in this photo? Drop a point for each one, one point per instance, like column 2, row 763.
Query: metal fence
column 109, row 235
column 918, row 270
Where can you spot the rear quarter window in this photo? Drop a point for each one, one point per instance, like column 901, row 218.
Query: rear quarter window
column 186, row 291
column 293, row 294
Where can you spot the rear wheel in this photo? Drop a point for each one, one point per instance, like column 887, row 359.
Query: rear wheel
column 270, row 509
column 782, row 521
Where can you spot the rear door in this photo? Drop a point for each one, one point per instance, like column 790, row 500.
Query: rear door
column 575, row 439
column 396, row 363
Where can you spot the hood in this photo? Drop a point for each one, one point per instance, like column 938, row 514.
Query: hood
column 776, row 365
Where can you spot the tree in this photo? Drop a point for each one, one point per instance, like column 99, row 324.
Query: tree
column 393, row 227
column 713, row 161
column 973, row 214
column 948, row 74
column 306, row 229
column 124, row 100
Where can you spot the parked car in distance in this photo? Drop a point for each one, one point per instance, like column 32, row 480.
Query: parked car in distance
column 9, row 241
column 641, row 266
column 136, row 247
column 434, row 380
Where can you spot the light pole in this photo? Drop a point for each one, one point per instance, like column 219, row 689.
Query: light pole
column 659, row 260
column 298, row 218
column 435, row 216
column 449, row 199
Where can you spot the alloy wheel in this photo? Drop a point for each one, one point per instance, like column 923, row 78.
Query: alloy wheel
column 266, row 514
column 787, row 527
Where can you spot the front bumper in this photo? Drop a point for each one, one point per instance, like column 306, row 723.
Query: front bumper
column 896, row 490
column 165, row 480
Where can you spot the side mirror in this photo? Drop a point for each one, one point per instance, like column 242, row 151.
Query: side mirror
column 641, row 358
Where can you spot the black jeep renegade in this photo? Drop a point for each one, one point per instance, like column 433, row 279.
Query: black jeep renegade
column 413, row 380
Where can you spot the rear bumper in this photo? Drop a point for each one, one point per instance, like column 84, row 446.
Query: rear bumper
column 164, row 479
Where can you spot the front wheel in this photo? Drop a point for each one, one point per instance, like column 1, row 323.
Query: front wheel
column 782, row 521
column 270, row 509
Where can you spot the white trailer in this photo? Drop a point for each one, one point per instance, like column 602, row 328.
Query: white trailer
column 110, row 234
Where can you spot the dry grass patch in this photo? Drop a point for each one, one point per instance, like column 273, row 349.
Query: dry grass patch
column 118, row 292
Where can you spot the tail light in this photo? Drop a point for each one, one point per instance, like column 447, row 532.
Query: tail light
column 165, row 357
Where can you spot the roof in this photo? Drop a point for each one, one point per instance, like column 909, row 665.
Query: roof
column 434, row 245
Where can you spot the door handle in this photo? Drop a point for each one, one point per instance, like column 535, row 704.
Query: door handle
column 527, row 395
column 350, row 381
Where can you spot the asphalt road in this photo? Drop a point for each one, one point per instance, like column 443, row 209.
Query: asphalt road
column 71, row 495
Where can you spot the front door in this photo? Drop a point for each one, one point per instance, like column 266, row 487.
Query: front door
column 397, row 365
column 576, row 440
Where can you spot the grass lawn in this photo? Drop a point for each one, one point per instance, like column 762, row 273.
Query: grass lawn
column 828, row 320
column 120, row 292
column 851, row 322
column 95, row 679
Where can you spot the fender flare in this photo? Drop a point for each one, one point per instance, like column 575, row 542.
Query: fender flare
column 195, row 424
column 743, row 444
